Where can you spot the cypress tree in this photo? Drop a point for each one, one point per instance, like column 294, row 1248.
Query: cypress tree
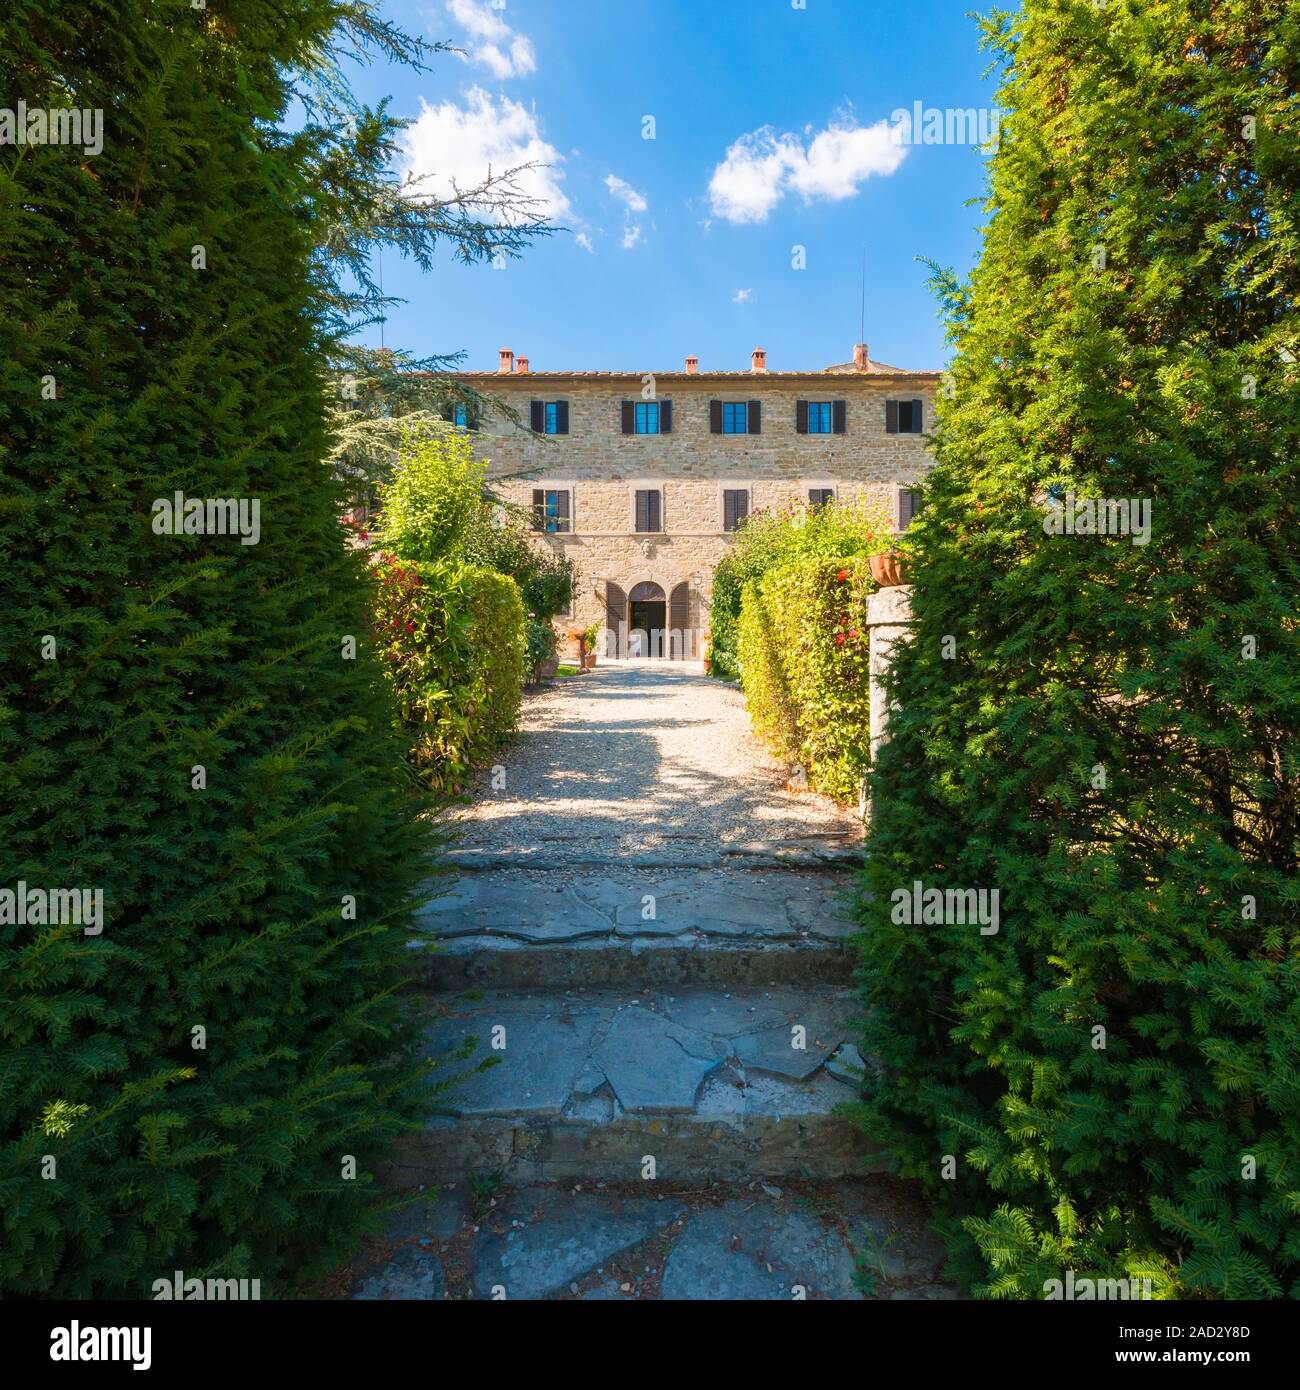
column 1099, row 725
column 191, row 725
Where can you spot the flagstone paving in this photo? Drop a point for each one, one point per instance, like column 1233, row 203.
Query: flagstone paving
column 645, row 939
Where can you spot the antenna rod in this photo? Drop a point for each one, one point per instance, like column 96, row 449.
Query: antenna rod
column 862, row 321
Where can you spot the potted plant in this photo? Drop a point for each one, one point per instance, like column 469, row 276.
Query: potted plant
column 708, row 652
column 579, row 639
column 590, row 641
column 890, row 563
column 540, row 644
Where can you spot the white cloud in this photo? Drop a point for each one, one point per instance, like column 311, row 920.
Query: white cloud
column 499, row 48
column 633, row 202
column 584, row 241
column 450, row 144
column 741, row 296
column 762, row 166
column 626, row 193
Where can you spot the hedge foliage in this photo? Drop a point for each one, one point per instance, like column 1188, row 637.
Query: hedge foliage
column 805, row 668
column 838, row 531
column 1105, row 732
column 183, row 724
column 454, row 638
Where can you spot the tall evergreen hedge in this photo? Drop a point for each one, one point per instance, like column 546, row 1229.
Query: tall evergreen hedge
column 1104, row 731
column 184, row 1089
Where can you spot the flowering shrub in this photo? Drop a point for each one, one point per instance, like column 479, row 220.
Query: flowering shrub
column 769, row 540
column 805, row 668
column 453, row 642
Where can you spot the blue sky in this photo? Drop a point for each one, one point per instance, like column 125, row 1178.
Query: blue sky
column 772, row 131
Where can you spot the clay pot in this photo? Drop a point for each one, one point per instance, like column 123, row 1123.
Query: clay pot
column 889, row 569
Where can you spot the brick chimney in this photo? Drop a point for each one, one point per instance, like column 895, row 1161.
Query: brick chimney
column 861, row 358
column 521, row 365
column 692, row 365
column 758, row 360
column 507, row 363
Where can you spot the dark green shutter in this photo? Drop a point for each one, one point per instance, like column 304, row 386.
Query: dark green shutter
column 839, row 415
column 561, row 417
column 801, row 417
column 715, row 417
column 891, row 417
column 629, row 418
column 916, row 417
column 537, row 414
column 754, row 418
column 539, row 509
column 665, row 417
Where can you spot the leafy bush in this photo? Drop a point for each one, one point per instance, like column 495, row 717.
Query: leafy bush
column 455, row 653
column 1103, row 731
column 435, row 500
column 805, row 668
column 541, row 643
column 768, row 539
column 182, row 724
column 545, row 578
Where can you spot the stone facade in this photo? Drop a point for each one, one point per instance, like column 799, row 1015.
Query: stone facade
column 601, row 468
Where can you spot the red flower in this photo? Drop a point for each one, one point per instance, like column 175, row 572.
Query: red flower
column 839, row 639
column 365, row 535
column 853, row 632
column 410, row 627
column 842, row 576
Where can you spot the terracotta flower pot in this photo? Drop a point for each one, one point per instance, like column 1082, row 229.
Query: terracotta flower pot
column 889, row 569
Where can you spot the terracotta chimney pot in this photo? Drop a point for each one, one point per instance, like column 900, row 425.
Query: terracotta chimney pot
column 521, row 365
column 507, row 363
column 861, row 358
column 692, row 365
column 759, row 360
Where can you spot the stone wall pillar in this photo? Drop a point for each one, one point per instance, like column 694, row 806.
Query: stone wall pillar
column 889, row 615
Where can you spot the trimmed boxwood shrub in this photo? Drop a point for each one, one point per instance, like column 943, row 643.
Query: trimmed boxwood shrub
column 1105, row 732
column 805, row 670
column 455, row 654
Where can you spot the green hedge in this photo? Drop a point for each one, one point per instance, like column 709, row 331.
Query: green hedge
column 1103, row 731
column 455, row 652
column 770, row 539
column 195, row 727
column 804, row 667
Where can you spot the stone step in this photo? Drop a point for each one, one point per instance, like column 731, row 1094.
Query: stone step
column 551, row 929
column 809, row 854
column 594, row 1084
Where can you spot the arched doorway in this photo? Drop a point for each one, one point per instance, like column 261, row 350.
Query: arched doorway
column 647, row 619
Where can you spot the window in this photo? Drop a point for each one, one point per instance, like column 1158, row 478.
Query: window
column 648, row 511
column 460, row 415
column 909, row 503
column 735, row 507
column 549, row 417
column 551, row 510
column 647, row 417
column 735, row 417
column 903, row 417
column 820, row 497
column 819, row 417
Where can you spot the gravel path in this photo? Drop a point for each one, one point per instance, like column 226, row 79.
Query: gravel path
column 629, row 757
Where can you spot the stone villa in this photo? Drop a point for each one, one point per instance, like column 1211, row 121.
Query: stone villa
column 641, row 478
